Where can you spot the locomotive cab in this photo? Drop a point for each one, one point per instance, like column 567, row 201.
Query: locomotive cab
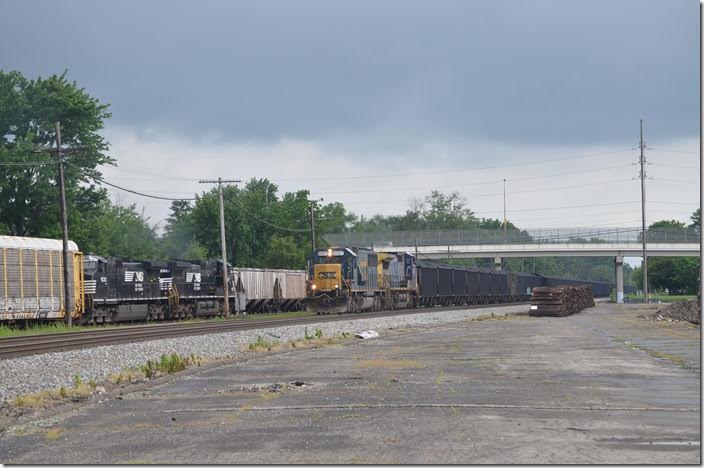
column 343, row 280
column 330, row 269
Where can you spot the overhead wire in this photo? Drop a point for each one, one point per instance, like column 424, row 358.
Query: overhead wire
column 282, row 228
column 673, row 151
column 674, row 165
column 135, row 192
column 401, row 174
column 27, row 163
column 479, row 195
column 498, row 181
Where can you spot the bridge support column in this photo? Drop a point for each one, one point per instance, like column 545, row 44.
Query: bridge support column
column 497, row 263
column 618, row 262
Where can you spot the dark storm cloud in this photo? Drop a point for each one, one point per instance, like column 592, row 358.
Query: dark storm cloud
column 543, row 72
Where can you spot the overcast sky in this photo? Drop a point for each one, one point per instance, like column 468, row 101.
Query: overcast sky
column 301, row 91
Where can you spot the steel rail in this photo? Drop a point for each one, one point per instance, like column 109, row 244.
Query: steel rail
column 38, row 344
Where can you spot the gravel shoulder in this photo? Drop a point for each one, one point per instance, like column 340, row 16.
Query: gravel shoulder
column 29, row 374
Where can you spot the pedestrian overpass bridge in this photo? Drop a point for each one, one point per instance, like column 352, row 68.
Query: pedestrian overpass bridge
column 562, row 242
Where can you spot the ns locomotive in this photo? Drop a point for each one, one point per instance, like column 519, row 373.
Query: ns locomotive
column 351, row 279
column 105, row 290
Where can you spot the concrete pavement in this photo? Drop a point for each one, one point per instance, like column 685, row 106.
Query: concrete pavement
column 602, row 386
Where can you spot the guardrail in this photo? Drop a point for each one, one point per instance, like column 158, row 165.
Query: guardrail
column 523, row 236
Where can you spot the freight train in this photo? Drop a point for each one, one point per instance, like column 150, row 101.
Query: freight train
column 338, row 280
column 107, row 290
column 350, row 279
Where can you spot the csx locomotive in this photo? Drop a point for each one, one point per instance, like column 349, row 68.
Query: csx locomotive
column 351, row 279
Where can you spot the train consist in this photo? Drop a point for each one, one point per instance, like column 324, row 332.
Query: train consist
column 107, row 290
column 338, row 280
column 358, row 279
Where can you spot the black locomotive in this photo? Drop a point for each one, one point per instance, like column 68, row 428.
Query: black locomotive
column 118, row 290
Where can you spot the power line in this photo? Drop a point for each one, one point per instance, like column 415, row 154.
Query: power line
column 396, row 174
column 157, row 175
column 673, row 151
column 673, row 180
column 27, row 163
column 674, row 203
column 479, row 195
column 498, row 181
column 103, row 181
column 674, row 165
column 282, row 228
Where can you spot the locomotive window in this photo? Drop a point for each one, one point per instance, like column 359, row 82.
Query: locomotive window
column 331, row 260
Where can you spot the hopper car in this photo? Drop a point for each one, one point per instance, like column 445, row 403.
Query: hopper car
column 352, row 279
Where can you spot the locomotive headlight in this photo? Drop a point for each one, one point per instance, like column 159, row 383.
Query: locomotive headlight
column 337, row 286
column 329, row 252
column 313, row 287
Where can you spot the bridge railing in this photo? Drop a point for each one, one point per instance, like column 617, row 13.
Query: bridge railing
column 523, row 236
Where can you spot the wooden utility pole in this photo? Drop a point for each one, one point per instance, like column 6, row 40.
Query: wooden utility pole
column 64, row 226
column 225, row 286
column 311, row 209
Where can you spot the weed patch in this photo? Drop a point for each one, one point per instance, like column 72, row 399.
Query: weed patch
column 167, row 364
column 262, row 344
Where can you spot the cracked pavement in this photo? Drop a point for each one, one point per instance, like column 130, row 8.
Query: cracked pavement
column 602, row 386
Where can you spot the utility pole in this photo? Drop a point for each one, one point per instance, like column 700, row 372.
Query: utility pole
column 225, row 286
column 311, row 209
column 504, row 209
column 64, row 226
column 642, row 204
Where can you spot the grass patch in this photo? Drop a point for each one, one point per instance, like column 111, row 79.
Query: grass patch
column 168, row 364
column 53, row 434
column 49, row 328
column 60, row 327
column 315, row 340
column 664, row 297
column 47, row 397
column 262, row 344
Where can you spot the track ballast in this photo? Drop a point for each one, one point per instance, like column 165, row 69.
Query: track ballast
column 50, row 343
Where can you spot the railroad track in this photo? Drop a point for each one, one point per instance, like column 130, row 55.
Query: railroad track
column 49, row 343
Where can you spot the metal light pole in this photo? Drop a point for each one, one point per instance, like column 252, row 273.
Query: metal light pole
column 504, row 209
column 64, row 226
column 642, row 204
column 225, row 286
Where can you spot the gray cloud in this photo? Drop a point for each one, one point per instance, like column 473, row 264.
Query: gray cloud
column 386, row 74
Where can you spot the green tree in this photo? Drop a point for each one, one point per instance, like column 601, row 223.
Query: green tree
column 178, row 241
column 121, row 232
column 696, row 219
column 284, row 252
column 258, row 220
column 30, row 108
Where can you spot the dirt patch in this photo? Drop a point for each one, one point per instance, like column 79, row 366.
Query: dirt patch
column 679, row 311
column 381, row 363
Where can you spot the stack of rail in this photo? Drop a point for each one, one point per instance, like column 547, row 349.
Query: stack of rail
column 561, row 300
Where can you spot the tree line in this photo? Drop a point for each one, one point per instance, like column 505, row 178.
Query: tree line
column 264, row 228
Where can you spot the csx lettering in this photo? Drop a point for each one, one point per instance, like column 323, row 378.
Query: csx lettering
column 327, row 275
